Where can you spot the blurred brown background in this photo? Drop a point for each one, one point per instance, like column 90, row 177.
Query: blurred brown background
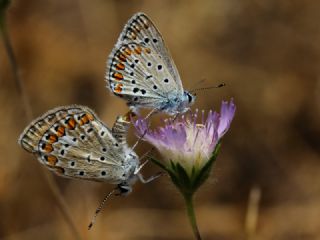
column 267, row 52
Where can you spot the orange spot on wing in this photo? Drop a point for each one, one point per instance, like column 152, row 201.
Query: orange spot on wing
column 48, row 148
column 53, row 138
column 71, row 124
column 148, row 50
column 60, row 131
column 122, row 57
column 138, row 50
column 127, row 51
column 52, row 160
column 90, row 116
column 84, row 120
column 118, row 88
column 120, row 66
column 117, row 76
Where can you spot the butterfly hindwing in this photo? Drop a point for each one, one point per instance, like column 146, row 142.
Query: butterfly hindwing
column 73, row 142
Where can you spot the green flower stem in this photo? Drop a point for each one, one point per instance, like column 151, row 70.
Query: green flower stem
column 191, row 215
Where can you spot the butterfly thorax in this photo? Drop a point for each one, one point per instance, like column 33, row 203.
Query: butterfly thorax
column 178, row 104
column 129, row 165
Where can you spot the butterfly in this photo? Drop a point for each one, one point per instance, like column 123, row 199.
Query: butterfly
column 73, row 142
column 141, row 71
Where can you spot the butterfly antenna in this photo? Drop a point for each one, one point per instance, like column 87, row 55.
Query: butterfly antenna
column 98, row 210
column 199, row 82
column 206, row 88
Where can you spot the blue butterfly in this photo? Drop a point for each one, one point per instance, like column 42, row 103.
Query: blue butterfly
column 141, row 71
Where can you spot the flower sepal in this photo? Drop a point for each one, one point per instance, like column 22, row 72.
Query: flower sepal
column 205, row 171
column 188, row 183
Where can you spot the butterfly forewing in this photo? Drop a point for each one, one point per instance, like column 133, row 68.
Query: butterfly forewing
column 140, row 68
column 73, row 142
column 140, row 76
column 140, row 29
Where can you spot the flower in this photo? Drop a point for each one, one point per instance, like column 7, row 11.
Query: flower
column 186, row 142
column 189, row 149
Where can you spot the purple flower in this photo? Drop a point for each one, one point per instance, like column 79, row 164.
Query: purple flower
column 186, row 141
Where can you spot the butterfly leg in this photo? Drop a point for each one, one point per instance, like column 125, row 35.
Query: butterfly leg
column 178, row 113
column 140, row 167
column 141, row 178
column 175, row 117
column 150, row 179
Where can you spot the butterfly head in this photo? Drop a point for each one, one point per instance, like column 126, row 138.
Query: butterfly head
column 187, row 100
column 191, row 97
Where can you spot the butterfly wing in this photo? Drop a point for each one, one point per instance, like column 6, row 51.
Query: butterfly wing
column 140, row 29
column 140, row 68
column 73, row 142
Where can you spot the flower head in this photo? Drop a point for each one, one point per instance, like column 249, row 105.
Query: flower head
column 187, row 140
column 189, row 148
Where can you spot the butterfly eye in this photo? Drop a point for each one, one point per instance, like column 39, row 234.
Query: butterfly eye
column 190, row 98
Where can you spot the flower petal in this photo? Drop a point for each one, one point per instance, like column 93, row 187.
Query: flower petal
column 190, row 139
column 226, row 116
